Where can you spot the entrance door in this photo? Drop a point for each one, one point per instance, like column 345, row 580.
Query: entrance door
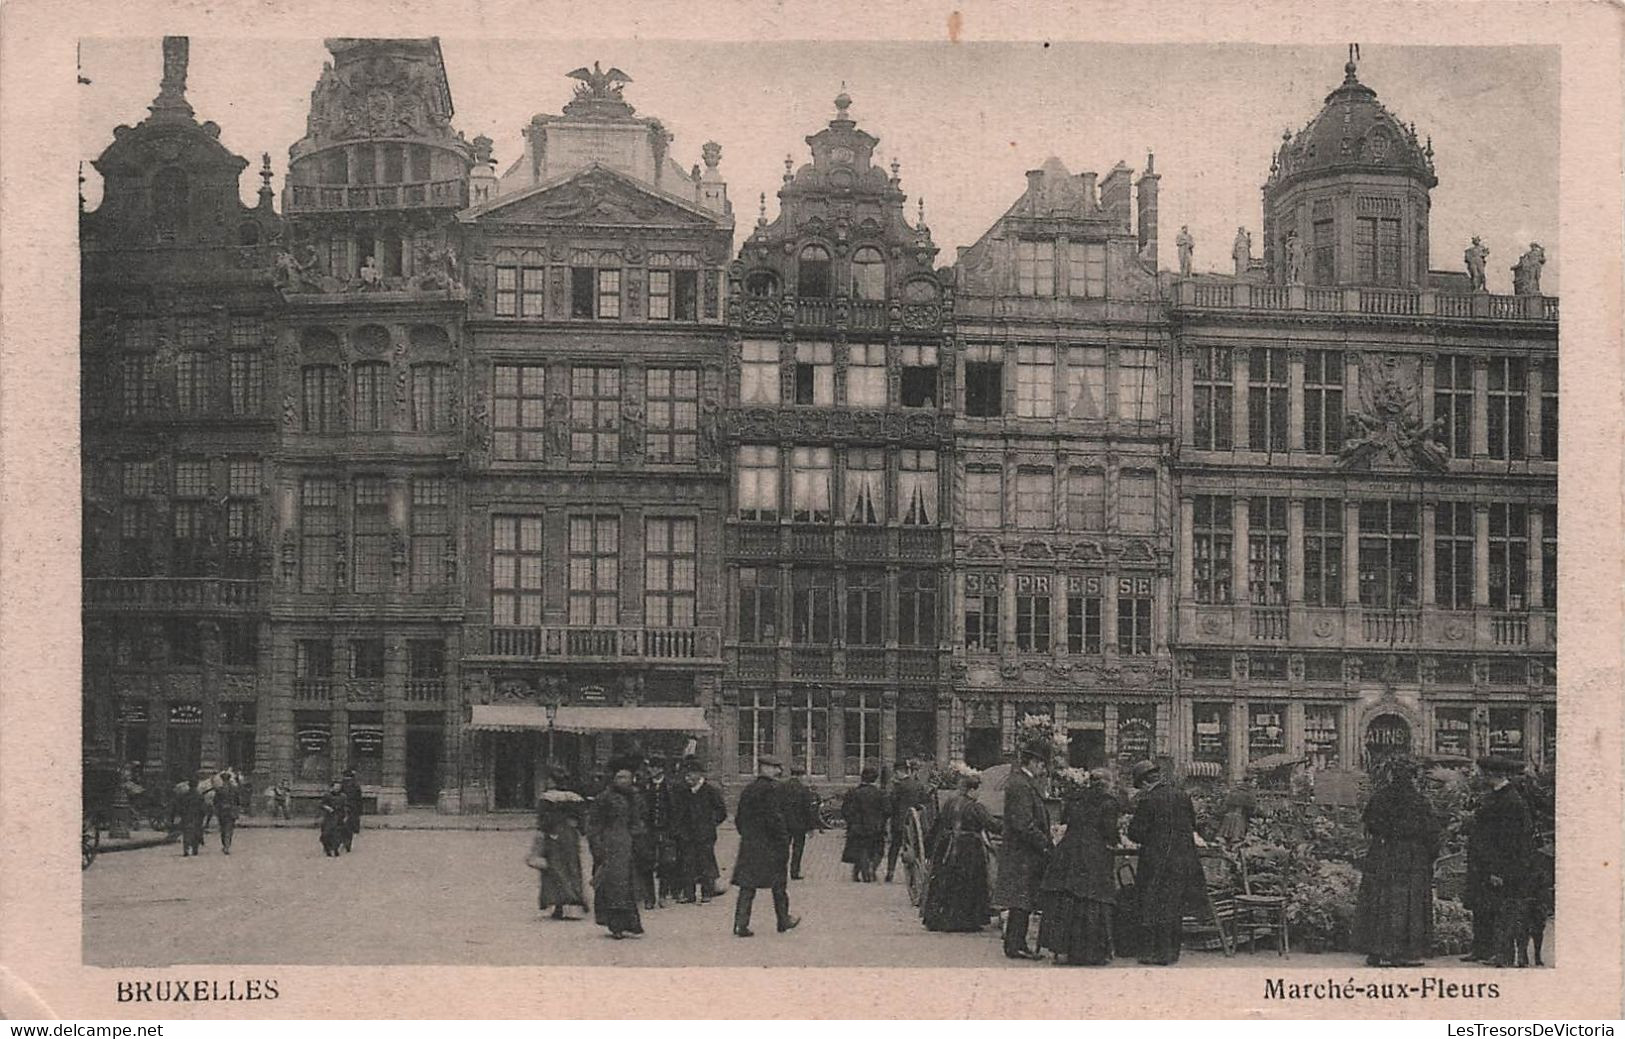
column 982, row 748
column 1086, row 748
column 513, row 769
column 423, row 764
column 1387, row 734
column 184, row 752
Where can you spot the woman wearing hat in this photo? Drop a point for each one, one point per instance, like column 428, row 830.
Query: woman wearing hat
column 1080, row 887
column 611, row 825
column 556, row 853
column 956, row 894
column 1393, row 925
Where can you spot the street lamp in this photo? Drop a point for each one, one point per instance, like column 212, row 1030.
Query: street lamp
column 551, row 706
column 119, row 814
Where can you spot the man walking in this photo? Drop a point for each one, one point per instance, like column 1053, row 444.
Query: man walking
column 864, row 809
column 764, row 844
column 658, row 822
column 1025, row 852
column 1500, row 851
column 351, row 787
column 226, row 807
column 907, row 793
column 1169, row 876
column 703, row 810
column 800, row 815
column 190, row 809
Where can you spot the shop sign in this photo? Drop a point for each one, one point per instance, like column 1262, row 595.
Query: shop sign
column 186, row 714
column 312, row 741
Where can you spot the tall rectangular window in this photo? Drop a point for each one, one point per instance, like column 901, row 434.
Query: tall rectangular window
column 1266, row 398
column 1266, row 552
column 1137, row 501
column 1035, row 268
column 1323, row 377
column 668, row 572
column 1211, row 546
column 1086, row 269
column 758, row 604
column 1509, row 556
column 583, row 285
column 1136, row 385
column 186, row 516
column 1035, row 381
column 140, row 385
column 1453, row 403
column 810, row 474
column 1086, row 500
column 191, row 382
column 917, row 487
column 1325, row 250
column 1035, row 499
column 1453, row 555
column 371, row 396
column 862, row 742
column 1213, row 382
column 1548, row 411
column 1376, row 248
column 507, row 290
column 659, row 294
column 812, row 602
column 917, row 376
column 243, row 478
column 135, row 519
column 367, row 658
column 321, row 398
column 431, row 397
column 247, row 331
column 759, row 372
column 982, row 592
column 1033, row 613
column 1388, row 554
column 865, row 607
column 809, row 730
column 318, row 526
column 866, row 375
column 1508, row 390
column 425, row 658
column 1083, row 603
column 984, row 497
column 917, row 608
column 595, row 570
column 533, row 286
column 1086, row 382
column 759, row 483
column 756, row 714
column 984, row 389
column 865, row 499
column 1134, row 602
column 247, row 377
column 371, row 521
column 674, row 414
column 815, row 374
column 1320, row 734
column 1548, row 555
column 1323, row 552
column 595, row 411
column 519, row 421
column 431, row 531
column 609, row 293
column 686, row 294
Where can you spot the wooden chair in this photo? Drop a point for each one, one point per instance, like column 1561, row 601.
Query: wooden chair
column 1261, row 904
column 1214, row 927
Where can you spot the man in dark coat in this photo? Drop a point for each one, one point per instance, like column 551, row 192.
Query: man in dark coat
column 1024, row 853
column 227, row 808
column 351, row 787
column 1168, row 878
column 702, row 811
column 658, row 821
column 864, row 810
column 764, row 848
column 190, row 809
column 906, row 793
column 332, row 821
column 800, row 816
column 1500, row 857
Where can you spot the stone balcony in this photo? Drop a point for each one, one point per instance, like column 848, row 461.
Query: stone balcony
column 838, row 313
column 1301, row 627
column 429, row 194
column 839, row 663
column 613, row 644
column 173, row 593
column 811, row 543
column 1202, row 294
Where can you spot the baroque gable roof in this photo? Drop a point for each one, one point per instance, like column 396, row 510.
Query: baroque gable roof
column 596, row 194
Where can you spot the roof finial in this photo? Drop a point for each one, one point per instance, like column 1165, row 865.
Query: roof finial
column 266, row 194
column 896, row 170
column 171, row 97
column 1354, row 59
column 843, row 101
column 761, row 210
column 921, row 221
column 789, row 168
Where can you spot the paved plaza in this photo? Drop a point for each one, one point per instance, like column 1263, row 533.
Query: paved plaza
column 415, row 897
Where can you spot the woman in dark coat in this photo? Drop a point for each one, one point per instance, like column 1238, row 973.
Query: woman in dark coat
column 334, row 822
column 1079, row 889
column 956, row 892
column 558, row 847
column 1394, row 922
column 612, row 825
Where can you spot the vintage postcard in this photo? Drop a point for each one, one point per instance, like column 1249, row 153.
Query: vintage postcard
column 972, row 498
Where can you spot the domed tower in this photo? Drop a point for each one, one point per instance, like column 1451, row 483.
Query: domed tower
column 1346, row 202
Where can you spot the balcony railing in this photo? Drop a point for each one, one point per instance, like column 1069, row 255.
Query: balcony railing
column 812, row 542
column 603, row 643
column 1510, row 629
column 1506, row 306
column 920, row 544
column 425, row 690
column 450, row 193
column 312, row 690
column 1396, row 302
column 811, row 662
column 1269, row 623
column 865, row 662
column 1269, row 297
column 1387, row 301
column 1390, row 627
column 815, row 313
column 756, row 541
column 758, row 661
column 865, row 543
column 170, row 592
column 918, row 665
column 859, row 315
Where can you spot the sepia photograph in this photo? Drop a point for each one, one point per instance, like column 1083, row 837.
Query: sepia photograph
column 1113, row 522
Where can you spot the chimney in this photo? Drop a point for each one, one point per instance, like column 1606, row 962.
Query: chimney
column 1035, row 190
column 1114, row 196
column 1090, row 196
column 1147, row 201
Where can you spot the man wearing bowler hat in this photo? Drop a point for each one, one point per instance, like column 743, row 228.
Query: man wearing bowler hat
column 1500, row 853
column 698, row 813
column 1169, row 873
column 764, row 848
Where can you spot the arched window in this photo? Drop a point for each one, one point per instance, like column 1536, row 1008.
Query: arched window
column 761, row 284
column 169, row 199
column 868, row 274
column 812, row 272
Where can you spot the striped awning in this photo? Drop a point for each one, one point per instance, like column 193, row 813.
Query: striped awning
column 531, row 718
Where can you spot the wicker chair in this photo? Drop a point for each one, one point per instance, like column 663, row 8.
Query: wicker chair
column 1261, row 903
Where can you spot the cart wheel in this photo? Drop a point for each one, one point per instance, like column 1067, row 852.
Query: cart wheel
column 914, row 857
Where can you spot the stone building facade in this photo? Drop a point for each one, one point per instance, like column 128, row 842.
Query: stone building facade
column 1367, row 478
column 837, row 427
column 1063, row 530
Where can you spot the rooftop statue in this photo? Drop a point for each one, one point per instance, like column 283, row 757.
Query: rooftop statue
column 597, row 84
column 1476, row 255
column 1242, row 251
column 1526, row 273
column 1187, row 247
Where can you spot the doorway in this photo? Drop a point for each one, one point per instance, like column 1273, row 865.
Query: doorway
column 425, row 736
column 513, row 770
column 183, row 752
column 982, row 747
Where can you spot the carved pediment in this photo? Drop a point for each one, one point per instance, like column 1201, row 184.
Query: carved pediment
column 1137, row 552
column 596, row 195
column 983, row 548
column 1088, row 551
column 1036, row 550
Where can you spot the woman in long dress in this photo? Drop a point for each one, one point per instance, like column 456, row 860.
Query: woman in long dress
column 1079, row 890
column 612, row 824
column 557, row 850
column 1393, row 925
column 956, row 892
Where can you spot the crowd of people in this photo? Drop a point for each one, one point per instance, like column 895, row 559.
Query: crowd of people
column 204, row 798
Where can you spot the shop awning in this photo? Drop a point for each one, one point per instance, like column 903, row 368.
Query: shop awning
column 531, row 717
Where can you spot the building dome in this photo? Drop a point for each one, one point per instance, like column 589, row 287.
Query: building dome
column 1353, row 133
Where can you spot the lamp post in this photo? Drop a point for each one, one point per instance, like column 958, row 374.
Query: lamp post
column 552, row 709
column 118, row 825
